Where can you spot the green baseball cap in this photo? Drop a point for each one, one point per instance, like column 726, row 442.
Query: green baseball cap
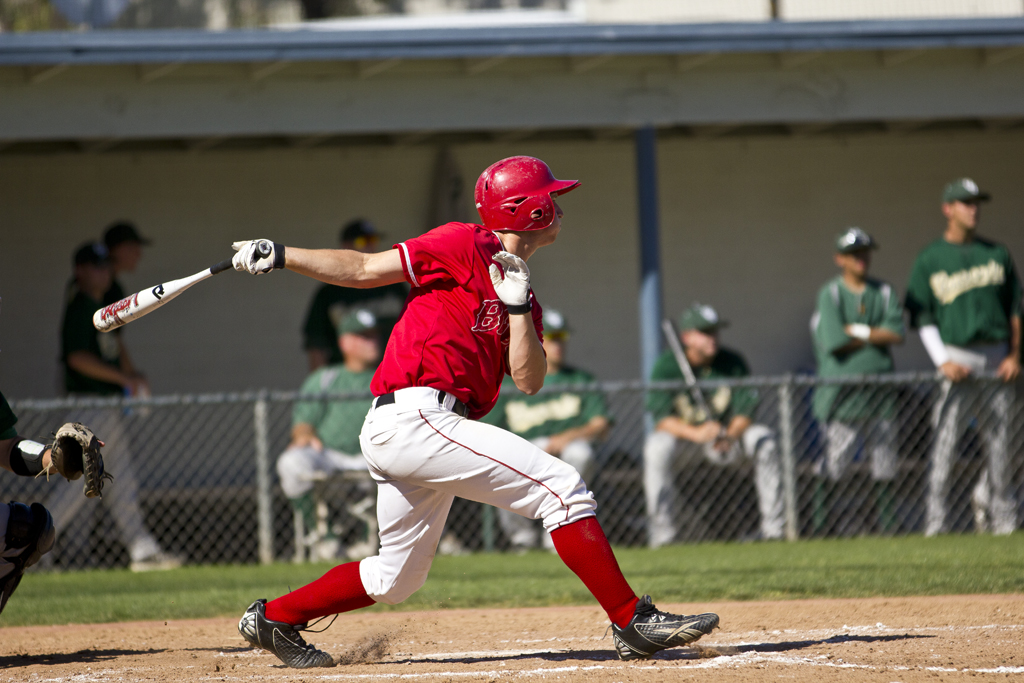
column 554, row 322
column 358, row 322
column 854, row 239
column 964, row 190
column 702, row 318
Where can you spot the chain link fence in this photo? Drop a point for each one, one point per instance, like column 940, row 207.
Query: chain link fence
column 898, row 454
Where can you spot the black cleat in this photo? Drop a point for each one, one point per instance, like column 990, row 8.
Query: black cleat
column 280, row 639
column 651, row 630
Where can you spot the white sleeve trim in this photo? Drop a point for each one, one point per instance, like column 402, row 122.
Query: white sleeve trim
column 407, row 262
column 932, row 341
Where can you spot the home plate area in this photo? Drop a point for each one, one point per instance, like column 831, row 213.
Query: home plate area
column 877, row 639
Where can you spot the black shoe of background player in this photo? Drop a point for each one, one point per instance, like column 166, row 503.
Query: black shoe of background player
column 280, row 639
column 651, row 630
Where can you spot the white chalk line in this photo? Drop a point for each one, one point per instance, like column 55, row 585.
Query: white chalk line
column 720, row 662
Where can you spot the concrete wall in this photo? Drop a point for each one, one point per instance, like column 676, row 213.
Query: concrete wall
column 748, row 226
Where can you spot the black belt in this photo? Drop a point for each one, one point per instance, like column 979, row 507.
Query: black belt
column 459, row 408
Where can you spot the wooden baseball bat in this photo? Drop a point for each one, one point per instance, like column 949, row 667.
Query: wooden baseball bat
column 148, row 300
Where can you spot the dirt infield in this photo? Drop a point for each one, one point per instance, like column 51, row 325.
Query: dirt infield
column 812, row 641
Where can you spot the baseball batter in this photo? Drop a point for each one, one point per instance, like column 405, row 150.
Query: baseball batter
column 964, row 297
column 470, row 319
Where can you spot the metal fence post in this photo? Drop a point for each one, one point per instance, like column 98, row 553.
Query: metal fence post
column 487, row 524
column 263, row 496
column 788, row 459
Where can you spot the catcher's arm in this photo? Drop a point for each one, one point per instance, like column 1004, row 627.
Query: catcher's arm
column 75, row 452
column 22, row 456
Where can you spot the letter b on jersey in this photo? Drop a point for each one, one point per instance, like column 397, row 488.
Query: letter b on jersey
column 492, row 316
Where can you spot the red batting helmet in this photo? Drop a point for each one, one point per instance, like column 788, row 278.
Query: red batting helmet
column 516, row 194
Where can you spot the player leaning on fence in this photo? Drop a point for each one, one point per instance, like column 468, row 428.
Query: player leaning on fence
column 964, row 297
column 856, row 321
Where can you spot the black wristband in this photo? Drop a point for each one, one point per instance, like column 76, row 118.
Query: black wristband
column 521, row 308
column 278, row 255
column 27, row 461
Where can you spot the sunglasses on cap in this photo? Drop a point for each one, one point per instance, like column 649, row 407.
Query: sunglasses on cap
column 364, row 241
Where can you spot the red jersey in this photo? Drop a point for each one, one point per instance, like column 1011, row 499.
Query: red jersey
column 454, row 333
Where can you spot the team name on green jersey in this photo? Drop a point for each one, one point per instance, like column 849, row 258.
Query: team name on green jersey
column 947, row 287
column 523, row 417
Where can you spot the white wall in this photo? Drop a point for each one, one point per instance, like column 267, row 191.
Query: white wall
column 624, row 11
column 817, row 10
column 748, row 225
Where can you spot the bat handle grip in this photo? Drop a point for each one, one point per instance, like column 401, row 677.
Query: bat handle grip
column 220, row 267
column 263, row 248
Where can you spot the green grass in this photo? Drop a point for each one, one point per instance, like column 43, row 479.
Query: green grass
column 761, row 571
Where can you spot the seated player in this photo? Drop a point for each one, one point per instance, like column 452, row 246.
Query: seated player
column 726, row 435
column 564, row 424
column 470, row 319
column 325, row 434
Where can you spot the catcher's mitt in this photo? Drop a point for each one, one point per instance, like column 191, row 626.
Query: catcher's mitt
column 76, row 452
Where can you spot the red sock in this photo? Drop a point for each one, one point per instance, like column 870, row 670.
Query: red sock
column 584, row 548
column 339, row 590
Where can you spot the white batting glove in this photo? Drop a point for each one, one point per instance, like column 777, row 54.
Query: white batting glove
column 257, row 256
column 514, row 288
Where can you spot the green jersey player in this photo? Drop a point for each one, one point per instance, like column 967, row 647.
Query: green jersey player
column 728, row 434
column 856, row 320
column 325, row 434
column 964, row 297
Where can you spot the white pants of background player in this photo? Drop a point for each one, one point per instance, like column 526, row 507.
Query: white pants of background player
column 422, row 455
column 121, row 496
column 523, row 532
column 959, row 403
column 661, row 454
column 879, row 437
column 300, row 466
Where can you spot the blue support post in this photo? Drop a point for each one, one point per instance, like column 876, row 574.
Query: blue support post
column 650, row 261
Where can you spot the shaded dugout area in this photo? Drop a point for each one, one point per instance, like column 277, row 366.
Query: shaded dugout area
column 766, row 139
column 747, row 224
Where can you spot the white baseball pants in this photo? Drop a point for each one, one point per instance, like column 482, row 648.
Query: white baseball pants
column 661, row 455
column 422, row 455
column 958, row 404
column 879, row 437
column 67, row 504
column 523, row 532
column 300, row 466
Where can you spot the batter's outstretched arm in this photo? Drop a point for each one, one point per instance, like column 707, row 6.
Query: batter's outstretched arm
column 346, row 267
column 343, row 267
